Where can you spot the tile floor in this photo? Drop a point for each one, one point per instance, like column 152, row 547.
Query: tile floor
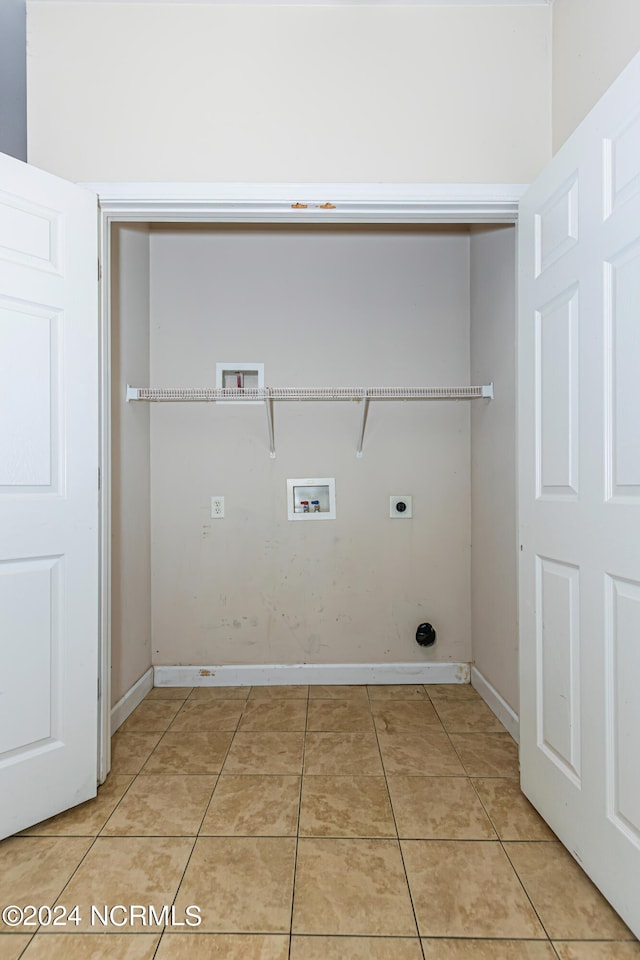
column 321, row 823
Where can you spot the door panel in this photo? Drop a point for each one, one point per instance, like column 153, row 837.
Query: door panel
column 579, row 493
column 622, row 356
column 30, row 612
column 29, row 415
column 557, row 363
column 48, row 495
column 556, row 224
column 558, row 664
column 623, row 713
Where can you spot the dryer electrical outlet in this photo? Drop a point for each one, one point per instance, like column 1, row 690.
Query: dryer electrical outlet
column 401, row 507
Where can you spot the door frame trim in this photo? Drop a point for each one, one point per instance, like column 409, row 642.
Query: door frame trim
column 327, row 203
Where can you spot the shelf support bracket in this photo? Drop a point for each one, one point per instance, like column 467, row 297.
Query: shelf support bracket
column 272, row 443
column 363, row 423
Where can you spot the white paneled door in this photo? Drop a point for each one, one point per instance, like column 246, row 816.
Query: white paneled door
column 579, row 400
column 48, row 495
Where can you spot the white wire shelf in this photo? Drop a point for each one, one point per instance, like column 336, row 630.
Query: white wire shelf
column 211, row 394
column 269, row 394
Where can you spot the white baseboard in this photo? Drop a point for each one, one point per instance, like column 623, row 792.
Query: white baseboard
column 276, row 673
column 134, row 696
column 495, row 702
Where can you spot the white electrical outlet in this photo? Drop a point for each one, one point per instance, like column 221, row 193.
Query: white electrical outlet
column 217, row 508
column 401, row 507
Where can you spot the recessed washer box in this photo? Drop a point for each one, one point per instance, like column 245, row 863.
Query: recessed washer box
column 311, row 498
column 240, row 375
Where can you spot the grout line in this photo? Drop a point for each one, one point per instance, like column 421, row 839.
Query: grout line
column 195, row 839
column 395, row 823
column 96, row 836
column 486, row 811
column 161, row 932
column 295, row 859
column 524, row 889
column 78, row 865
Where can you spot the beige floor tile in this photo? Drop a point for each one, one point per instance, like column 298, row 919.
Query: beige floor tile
column 82, row 946
column 161, row 805
column 220, row 946
column 169, row 693
column 597, row 950
column 220, row 693
column 201, row 715
column 513, row 816
column 438, row 808
column 87, row 819
column 426, row 753
column 151, row 716
column 247, row 806
column 33, row 870
column 12, row 945
column 345, row 807
column 337, row 691
column 241, row 884
column 130, row 751
column 274, row 715
column 470, row 716
column 467, row 889
column 339, row 716
column 189, row 753
column 398, row 716
column 568, row 904
column 396, row 691
column 335, row 754
column 265, row 753
column 451, row 691
column 127, row 870
column 352, row 887
column 355, row 948
column 487, row 950
column 487, row 754
column 280, row 692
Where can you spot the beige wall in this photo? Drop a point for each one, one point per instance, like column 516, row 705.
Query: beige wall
column 593, row 40
column 320, row 307
column 130, row 567
column 493, row 461
column 283, row 93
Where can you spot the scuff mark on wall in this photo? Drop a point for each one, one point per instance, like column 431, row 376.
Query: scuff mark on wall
column 314, row 645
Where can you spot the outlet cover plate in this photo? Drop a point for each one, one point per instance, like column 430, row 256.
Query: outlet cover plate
column 400, row 514
column 217, row 508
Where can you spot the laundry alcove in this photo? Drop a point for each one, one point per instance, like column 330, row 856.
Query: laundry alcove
column 320, row 305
